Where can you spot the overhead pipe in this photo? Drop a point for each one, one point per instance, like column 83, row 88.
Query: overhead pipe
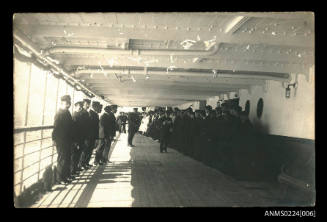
column 285, row 78
column 31, row 46
column 131, row 52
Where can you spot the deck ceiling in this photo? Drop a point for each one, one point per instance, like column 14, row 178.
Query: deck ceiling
column 149, row 59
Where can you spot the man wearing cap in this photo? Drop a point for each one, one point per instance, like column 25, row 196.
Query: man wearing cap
column 122, row 119
column 133, row 126
column 109, row 130
column 86, row 133
column 62, row 135
column 78, row 137
column 93, row 129
column 165, row 130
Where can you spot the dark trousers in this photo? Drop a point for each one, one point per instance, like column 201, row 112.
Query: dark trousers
column 75, row 158
column 99, row 151
column 102, row 150
column 89, row 151
column 131, row 133
column 164, row 139
column 123, row 128
column 63, row 161
column 84, row 153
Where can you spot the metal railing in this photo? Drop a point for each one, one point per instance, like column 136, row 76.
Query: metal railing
column 25, row 154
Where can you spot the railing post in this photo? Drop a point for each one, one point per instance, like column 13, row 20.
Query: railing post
column 25, row 124
column 43, row 108
column 57, row 93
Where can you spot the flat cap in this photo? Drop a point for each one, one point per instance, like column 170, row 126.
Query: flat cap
column 66, row 98
column 107, row 109
column 79, row 103
column 87, row 100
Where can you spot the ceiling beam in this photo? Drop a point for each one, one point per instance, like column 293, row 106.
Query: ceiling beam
column 172, row 81
column 159, row 97
column 101, row 33
column 159, row 92
column 259, row 63
column 103, row 86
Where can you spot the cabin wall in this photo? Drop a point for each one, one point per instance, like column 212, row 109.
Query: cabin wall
column 292, row 117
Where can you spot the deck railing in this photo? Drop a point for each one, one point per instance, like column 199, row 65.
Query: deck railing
column 33, row 153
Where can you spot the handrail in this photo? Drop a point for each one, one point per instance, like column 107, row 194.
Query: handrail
column 31, row 128
column 44, row 148
column 31, row 141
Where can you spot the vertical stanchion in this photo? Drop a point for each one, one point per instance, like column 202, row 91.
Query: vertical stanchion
column 73, row 100
column 25, row 124
column 57, row 94
column 42, row 122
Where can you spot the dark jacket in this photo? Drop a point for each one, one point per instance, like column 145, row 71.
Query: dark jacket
column 94, row 125
column 108, row 122
column 63, row 127
column 166, row 124
column 86, row 124
column 133, row 121
column 80, row 127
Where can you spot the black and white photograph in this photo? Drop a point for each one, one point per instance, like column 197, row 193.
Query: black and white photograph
column 164, row 109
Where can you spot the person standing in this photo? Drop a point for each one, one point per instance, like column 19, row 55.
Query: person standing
column 107, row 131
column 62, row 136
column 86, row 133
column 110, row 128
column 78, row 137
column 101, row 138
column 121, row 120
column 93, row 129
column 165, row 131
column 144, row 123
column 133, row 126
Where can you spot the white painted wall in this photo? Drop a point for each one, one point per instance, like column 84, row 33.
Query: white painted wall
column 212, row 101
column 293, row 117
column 195, row 105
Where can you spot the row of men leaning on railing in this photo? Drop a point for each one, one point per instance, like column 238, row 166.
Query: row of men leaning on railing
column 76, row 136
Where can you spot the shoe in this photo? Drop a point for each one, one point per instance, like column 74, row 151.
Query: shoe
column 65, row 182
column 71, row 177
column 89, row 165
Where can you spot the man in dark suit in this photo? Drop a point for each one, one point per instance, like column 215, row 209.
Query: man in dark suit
column 62, row 135
column 107, row 131
column 121, row 120
column 79, row 131
column 133, row 126
column 110, row 129
column 93, row 129
column 86, row 134
column 166, row 129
